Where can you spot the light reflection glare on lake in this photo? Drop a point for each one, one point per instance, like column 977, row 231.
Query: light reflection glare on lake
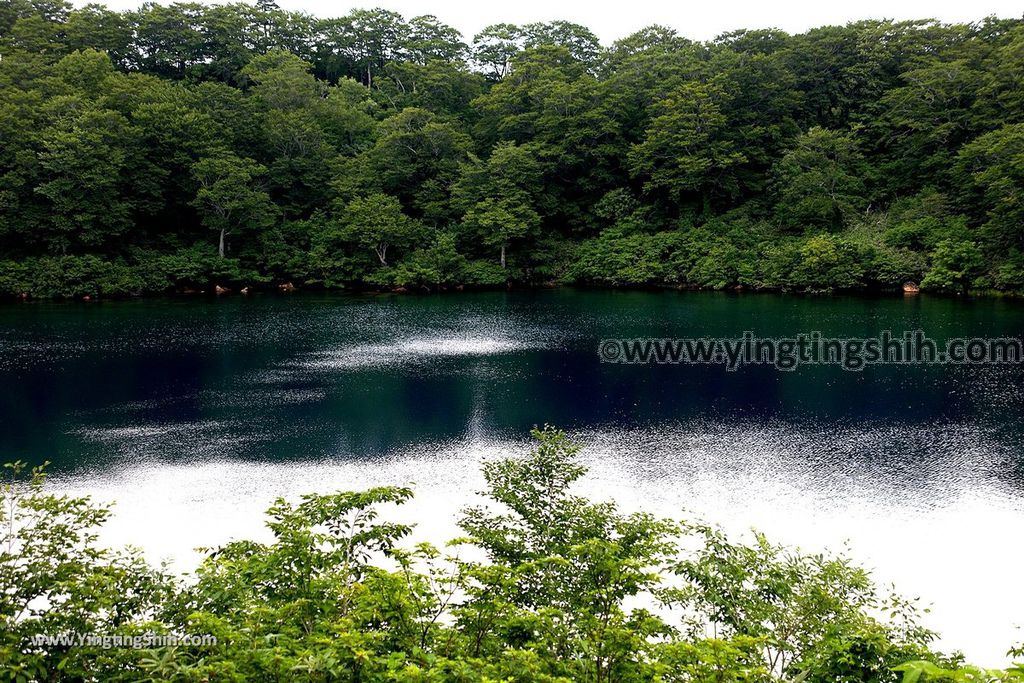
column 193, row 415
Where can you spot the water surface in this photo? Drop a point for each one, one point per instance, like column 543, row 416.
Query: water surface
column 193, row 414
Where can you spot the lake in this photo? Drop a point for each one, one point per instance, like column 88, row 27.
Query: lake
column 192, row 415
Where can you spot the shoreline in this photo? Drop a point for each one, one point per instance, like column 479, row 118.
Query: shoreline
column 288, row 289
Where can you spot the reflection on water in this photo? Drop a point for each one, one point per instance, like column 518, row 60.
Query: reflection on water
column 194, row 415
column 406, row 351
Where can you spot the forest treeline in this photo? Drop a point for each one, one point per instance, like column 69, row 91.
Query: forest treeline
column 545, row 586
column 180, row 147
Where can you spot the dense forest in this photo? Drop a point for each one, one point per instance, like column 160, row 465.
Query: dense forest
column 545, row 587
column 187, row 147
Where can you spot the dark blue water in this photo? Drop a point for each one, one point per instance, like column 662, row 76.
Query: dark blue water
column 205, row 409
column 311, row 377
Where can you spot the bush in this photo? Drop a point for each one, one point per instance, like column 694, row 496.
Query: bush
column 437, row 265
column 820, row 263
column 636, row 259
column 14, row 278
column 955, row 266
column 485, row 274
column 545, row 586
column 70, row 277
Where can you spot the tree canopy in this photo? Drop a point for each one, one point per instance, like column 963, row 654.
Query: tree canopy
column 185, row 145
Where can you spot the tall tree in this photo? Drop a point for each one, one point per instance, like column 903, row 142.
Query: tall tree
column 377, row 222
column 820, row 181
column 228, row 199
column 686, row 153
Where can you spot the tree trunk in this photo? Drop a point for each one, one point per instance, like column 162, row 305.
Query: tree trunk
column 503, row 256
column 220, row 249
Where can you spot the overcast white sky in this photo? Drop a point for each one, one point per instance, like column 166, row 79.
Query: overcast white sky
column 699, row 20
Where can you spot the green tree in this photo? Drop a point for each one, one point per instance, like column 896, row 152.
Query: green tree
column 55, row 578
column 436, row 265
column 805, row 611
column 531, row 132
column 94, row 26
column 415, row 157
column 377, row 222
column 927, row 120
column 228, row 199
column 83, row 162
column 580, row 41
column 501, row 222
column 498, row 196
column 926, row 671
column 563, row 567
column 685, row 152
column 991, row 170
column 820, row 181
column 496, row 46
column 169, row 39
column 305, row 124
column 955, row 266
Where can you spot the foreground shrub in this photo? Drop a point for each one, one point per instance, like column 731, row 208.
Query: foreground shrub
column 545, row 586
